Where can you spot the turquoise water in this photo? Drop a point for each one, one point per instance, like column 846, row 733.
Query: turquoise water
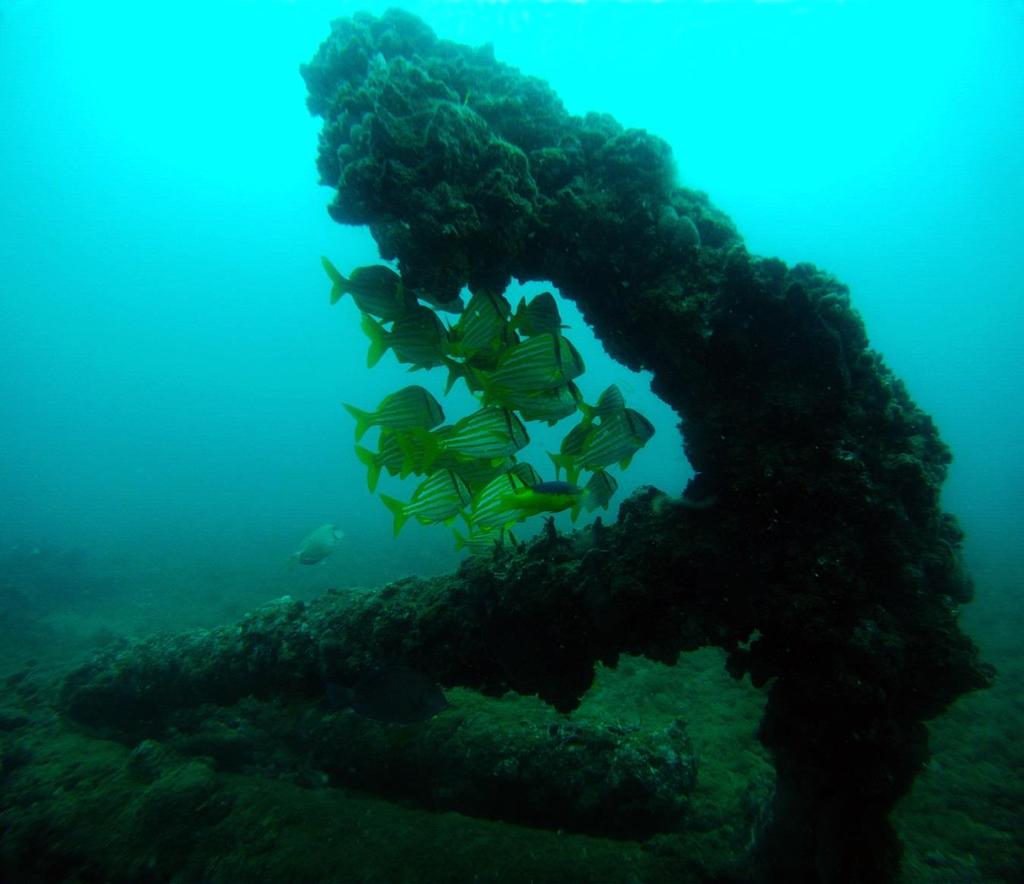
column 171, row 375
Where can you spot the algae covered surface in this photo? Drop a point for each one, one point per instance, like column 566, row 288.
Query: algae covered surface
column 231, row 802
column 819, row 556
column 963, row 819
column 80, row 807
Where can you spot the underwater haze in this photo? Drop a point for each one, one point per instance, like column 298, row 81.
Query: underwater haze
column 172, row 373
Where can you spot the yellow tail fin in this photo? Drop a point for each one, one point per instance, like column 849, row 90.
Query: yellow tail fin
column 372, row 467
column 363, row 419
column 397, row 510
column 339, row 285
column 378, row 343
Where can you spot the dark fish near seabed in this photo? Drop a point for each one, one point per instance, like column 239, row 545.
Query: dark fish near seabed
column 392, row 694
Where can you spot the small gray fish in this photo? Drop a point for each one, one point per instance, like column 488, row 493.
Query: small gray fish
column 318, row 546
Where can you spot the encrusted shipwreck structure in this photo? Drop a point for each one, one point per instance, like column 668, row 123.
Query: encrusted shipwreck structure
column 819, row 558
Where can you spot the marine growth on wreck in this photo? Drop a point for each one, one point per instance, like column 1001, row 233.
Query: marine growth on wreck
column 826, row 565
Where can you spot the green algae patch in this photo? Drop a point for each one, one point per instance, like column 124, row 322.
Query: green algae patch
column 962, row 820
column 87, row 809
column 65, row 807
column 721, row 714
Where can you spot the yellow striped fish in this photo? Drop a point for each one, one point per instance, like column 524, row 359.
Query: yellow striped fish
column 483, row 325
column 439, row 498
column 540, row 363
column 490, row 509
column 409, row 409
column 482, row 543
column 549, row 406
column 389, row 456
column 377, row 290
column 477, row 473
column 491, row 432
column 609, row 403
column 417, row 338
column 400, row 454
column 599, row 490
column 614, row 440
column 537, row 316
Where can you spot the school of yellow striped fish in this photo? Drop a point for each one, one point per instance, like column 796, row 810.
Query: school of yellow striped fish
column 520, row 367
